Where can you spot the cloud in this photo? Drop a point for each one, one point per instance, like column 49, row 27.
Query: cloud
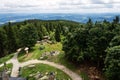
column 60, row 6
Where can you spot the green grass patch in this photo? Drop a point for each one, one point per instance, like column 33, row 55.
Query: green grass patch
column 35, row 53
column 43, row 68
column 62, row 60
column 8, row 68
column 6, row 58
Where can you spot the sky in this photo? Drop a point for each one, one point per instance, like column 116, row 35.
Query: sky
column 59, row 6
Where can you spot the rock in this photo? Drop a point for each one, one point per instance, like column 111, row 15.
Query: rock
column 31, row 75
column 49, row 42
column 44, row 78
column 18, row 50
column 46, row 73
column 26, row 48
column 38, row 76
column 53, row 53
column 41, row 58
column 8, row 72
column 97, row 78
column 31, row 66
column 38, row 42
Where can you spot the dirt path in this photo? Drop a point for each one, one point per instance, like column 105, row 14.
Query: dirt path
column 15, row 69
column 16, row 65
column 15, row 62
column 73, row 75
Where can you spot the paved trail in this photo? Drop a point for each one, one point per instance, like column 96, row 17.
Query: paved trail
column 16, row 65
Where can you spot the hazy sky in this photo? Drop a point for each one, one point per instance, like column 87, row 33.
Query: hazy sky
column 59, row 6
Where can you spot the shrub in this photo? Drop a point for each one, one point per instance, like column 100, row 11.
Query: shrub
column 112, row 63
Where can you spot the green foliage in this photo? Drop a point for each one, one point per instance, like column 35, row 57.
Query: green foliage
column 28, row 36
column 81, row 42
column 89, row 42
column 115, row 41
column 3, row 41
column 43, row 69
column 44, row 30
column 36, row 53
column 11, row 38
column 52, row 36
column 57, row 35
column 112, row 63
column 116, row 20
column 6, row 58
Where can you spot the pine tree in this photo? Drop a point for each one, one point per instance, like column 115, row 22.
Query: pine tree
column 11, row 38
column 3, row 43
column 57, row 35
column 28, row 36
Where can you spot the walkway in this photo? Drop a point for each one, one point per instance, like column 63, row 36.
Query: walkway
column 16, row 65
column 73, row 75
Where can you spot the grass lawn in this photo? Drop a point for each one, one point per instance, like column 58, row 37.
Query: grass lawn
column 43, row 68
column 6, row 58
column 62, row 60
column 35, row 53
column 8, row 68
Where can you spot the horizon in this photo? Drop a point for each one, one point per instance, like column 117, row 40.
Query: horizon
column 82, row 18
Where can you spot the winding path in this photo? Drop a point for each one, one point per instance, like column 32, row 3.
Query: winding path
column 16, row 65
column 73, row 75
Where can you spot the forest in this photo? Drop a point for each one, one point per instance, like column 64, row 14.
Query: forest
column 95, row 43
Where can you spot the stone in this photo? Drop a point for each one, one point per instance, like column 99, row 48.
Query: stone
column 53, row 53
column 97, row 78
column 26, row 48
column 44, row 78
column 41, row 58
column 18, row 50
column 8, row 72
column 31, row 75
column 46, row 73
column 31, row 66
column 38, row 76
column 38, row 42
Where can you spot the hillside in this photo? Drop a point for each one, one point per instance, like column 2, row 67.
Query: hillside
column 90, row 50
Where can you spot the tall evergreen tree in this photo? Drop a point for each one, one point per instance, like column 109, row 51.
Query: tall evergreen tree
column 3, row 43
column 57, row 35
column 28, row 36
column 11, row 38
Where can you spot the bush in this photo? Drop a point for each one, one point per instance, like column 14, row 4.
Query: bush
column 112, row 63
column 42, row 47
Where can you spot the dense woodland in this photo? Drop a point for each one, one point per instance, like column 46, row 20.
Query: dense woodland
column 97, row 43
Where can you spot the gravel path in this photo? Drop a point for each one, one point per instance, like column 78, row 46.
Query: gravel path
column 15, row 69
column 73, row 75
column 16, row 65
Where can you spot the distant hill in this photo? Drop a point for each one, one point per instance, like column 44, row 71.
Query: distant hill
column 15, row 17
